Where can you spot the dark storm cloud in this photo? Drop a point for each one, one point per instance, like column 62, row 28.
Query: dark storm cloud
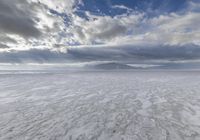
column 3, row 46
column 137, row 53
column 6, row 39
column 122, row 54
column 15, row 18
column 32, row 55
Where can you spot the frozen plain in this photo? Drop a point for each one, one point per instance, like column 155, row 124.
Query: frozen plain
column 101, row 105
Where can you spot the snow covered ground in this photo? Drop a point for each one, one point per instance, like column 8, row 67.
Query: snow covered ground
column 101, row 105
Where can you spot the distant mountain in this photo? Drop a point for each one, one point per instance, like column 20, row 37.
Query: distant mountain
column 112, row 65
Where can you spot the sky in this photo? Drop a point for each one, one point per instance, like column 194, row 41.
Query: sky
column 74, row 31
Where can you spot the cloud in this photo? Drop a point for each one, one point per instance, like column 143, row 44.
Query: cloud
column 15, row 19
column 32, row 55
column 102, row 29
column 49, row 31
column 129, row 10
column 31, row 24
column 172, row 29
column 57, row 22
column 3, row 46
column 61, row 6
column 137, row 53
column 138, row 28
column 123, row 54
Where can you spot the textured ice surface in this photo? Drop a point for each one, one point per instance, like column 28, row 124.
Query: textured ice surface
column 100, row 106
